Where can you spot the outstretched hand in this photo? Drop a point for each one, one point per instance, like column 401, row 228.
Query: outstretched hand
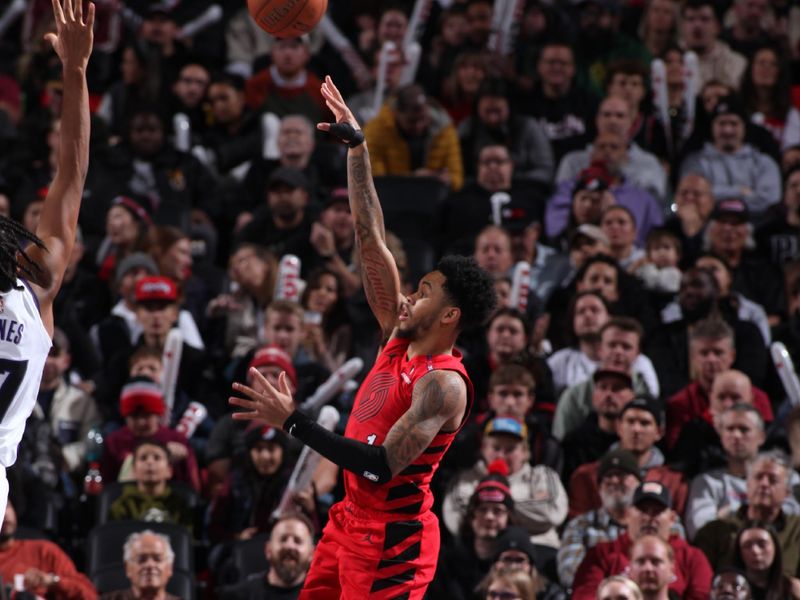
column 265, row 402
column 335, row 102
column 74, row 36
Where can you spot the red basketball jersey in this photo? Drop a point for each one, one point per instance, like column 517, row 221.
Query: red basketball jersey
column 381, row 400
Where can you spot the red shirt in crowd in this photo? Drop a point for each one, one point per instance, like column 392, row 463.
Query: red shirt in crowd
column 22, row 555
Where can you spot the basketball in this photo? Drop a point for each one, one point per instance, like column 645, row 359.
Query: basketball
column 287, row 18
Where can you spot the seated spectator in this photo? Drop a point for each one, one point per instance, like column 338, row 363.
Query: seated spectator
column 539, row 497
column 328, row 331
column 135, row 86
column 640, row 428
column 289, row 551
column 413, row 135
column 637, row 167
column 188, row 94
column 493, row 251
column 148, row 560
column 283, row 222
column 777, row 237
column 493, row 122
column 675, row 348
column 363, row 104
column 730, row 238
column 47, row 570
column 459, row 90
column 700, row 28
column 618, row 349
column 618, row 477
column 618, row 587
column 126, row 226
column 70, row 411
column 150, row 497
column 660, row 271
column 730, row 584
column 333, row 238
column 253, row 489
column 465, row 213
column 507, row 584
column 561, row 107
column 515, row 552
column 142, row 406
column 619, row 225
column 611, row 392
column 652, row 567
column 467, row 557
column 694, row 200
column 735, row 169
column 235, row 316
column 287, row 86
column 767, row 489
column 758, row 553
column 651, row 515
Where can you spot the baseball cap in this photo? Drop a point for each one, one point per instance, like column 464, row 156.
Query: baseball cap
column 619, row 460
column 517, row 218
column 594, row 178
column 273, row 356
column 156, row 289
column 136, row 260
column 647, row 403
column 141, row 394
column 593, row 232
column 261, row 432
column 508, row 426
column 601, row 373
column 731, row 208
column 515, row 538
column 729, row 105
column 294, row 178
column 336, row 196
column 652, row 490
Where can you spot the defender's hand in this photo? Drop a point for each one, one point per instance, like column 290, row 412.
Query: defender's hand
column 74, row 37
column 265, row 402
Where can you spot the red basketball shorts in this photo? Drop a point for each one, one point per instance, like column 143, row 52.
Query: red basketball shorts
column 361, row 556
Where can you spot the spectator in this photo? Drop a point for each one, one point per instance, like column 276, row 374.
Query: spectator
column 287, row 86
column 767, row 488
column 515, row 552
column 640, row 428
column 493, row 122
column 142, row 407
column 459, row 91
column 288, row 551
column 189, row 93
column 719, row 492
column 758, row 554
column 701, row 29
column 777, row 239
column 150, row 497
column 465, row 213
column 660, row 272
column 694, row 199
column 730, row 584
column 652, row 515
column 618, row 587
column 658, row 28
column 539, row 497
column 516, row 583
column 149, row 559
column 627, row 78
column 619, row 225
column 328, row 331
column 412, row 135
column 735, row 169
column 619, row 339
column 127, row 224
column 362, row 104
column 562, row 108
column 47, row 570
column 652, row 567
column 638, row 167
column 611, row 392
column 747, row 34
column 788, row 332
column 590, row 197
column 137, row 84
column 766, row 92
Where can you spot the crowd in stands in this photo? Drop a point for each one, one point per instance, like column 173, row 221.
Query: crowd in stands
column 629, row 437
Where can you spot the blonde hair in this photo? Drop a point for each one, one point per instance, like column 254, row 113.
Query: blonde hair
column 631, row 585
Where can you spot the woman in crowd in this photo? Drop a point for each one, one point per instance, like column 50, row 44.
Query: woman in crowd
column 758, row 554
column 328, row 331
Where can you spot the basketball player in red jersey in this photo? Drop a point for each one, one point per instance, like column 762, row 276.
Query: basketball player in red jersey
column 382, row 540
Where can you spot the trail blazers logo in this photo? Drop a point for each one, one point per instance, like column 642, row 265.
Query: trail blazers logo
column 375, row 397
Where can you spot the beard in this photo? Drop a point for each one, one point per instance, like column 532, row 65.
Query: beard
column 697, row 311
column 289, row 566
column 617, row 502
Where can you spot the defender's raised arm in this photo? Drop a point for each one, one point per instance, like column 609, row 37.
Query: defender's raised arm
column 379, row 270
column 73, row 44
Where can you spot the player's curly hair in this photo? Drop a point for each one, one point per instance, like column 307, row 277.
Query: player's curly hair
column 14, row 238
column 470, row 288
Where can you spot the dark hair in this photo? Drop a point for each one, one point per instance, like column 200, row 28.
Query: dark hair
column 778, row 586
column 697, row 5
column 508, row 311
column 626, row 324
column 470, row 288
column 780, row 94
column 626, row 66
column 573, row 304
column 337, row 315
column 14, row 239
column 233, row 80
column 660, row 235
column 716, row 257
column 512, row 374
column 148, row 441
column 599, row 258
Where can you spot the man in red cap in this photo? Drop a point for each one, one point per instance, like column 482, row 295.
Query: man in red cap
column 142, row 406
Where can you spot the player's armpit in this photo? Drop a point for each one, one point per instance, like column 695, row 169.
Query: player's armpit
column 438, row 397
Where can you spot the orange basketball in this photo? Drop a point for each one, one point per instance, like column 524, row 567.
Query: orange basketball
column 287, row 18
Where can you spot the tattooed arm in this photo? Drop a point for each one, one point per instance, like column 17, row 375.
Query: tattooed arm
column 379, row 270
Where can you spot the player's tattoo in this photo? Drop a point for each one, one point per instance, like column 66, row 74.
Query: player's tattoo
column 363, row 197
column 437, row 397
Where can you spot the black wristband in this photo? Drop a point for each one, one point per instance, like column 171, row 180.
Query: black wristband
column 298, row 425
column 348, row 134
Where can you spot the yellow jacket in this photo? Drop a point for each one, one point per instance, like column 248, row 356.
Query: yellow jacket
column 390, row 155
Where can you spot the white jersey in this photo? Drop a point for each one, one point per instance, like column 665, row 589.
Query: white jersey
column 24, row 346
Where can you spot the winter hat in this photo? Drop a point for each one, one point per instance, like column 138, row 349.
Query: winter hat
column 141, row 394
